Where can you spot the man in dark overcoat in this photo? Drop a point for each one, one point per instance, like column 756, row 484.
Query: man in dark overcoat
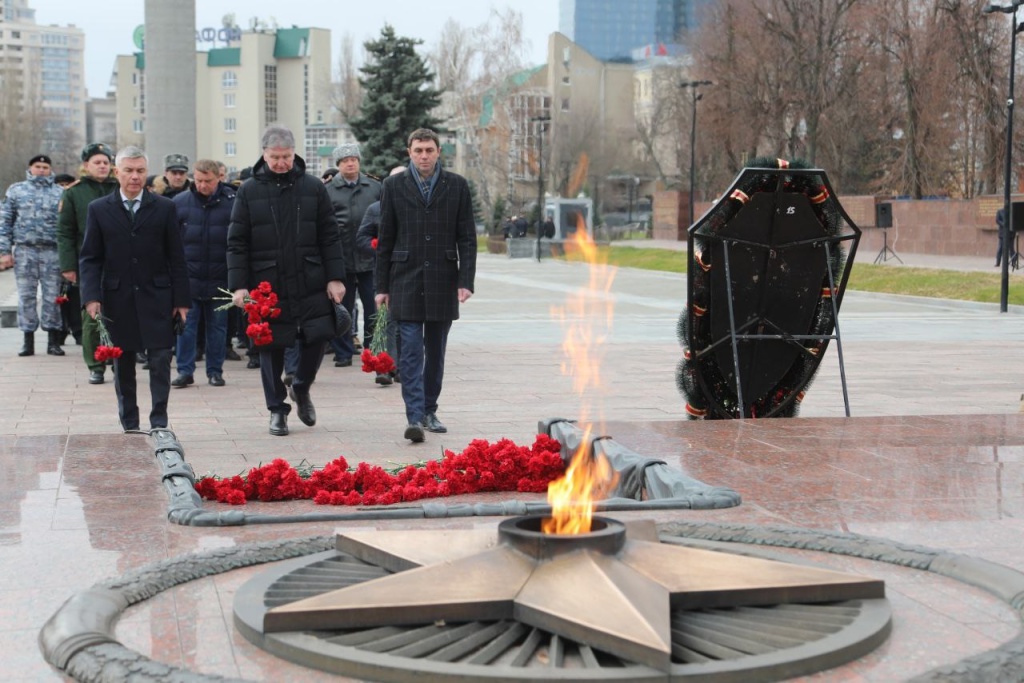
column 132, row 271
column 426, row 264
column 283, row 231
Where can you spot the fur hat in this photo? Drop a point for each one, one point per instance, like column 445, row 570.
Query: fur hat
column 349, row 149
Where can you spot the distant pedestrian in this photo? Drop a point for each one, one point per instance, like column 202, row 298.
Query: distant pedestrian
column 1001, row 229
column 28, row 241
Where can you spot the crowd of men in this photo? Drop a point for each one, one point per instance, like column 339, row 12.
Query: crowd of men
column 150, row 264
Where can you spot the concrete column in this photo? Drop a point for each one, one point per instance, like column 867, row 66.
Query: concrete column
column 170, row 80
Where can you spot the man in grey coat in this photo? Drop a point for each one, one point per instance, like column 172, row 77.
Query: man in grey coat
column 426, row 265
column 351, row 193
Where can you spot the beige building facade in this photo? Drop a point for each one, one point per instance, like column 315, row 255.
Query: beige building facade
column 270, row 76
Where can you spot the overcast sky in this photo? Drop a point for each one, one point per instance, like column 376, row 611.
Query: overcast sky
column 109, row 25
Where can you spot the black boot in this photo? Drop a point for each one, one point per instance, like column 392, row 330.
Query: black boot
column 29, row 347
column 53, row 344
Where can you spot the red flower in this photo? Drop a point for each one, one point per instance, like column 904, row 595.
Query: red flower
column 61, row 300
column 373, row 244
column 481, row 466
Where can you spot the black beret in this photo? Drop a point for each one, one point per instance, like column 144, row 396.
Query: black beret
column 40, row 157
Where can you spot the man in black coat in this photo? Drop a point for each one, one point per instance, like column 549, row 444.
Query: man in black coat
column 283, row 232
column 132, row 270
column 426, row 264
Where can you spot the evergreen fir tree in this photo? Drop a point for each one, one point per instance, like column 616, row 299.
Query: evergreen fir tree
column 399, row 97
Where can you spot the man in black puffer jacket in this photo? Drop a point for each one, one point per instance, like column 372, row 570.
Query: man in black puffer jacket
column 204, row 211
column 283, row 231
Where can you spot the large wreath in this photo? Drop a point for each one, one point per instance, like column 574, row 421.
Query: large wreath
column 707, row 375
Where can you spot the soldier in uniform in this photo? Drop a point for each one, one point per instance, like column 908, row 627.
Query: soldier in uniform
column 95, row 182
column 28, row 225
column 175, row 180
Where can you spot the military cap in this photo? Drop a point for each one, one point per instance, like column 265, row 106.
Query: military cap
column 94, row 148
column 175, row 162
column 40, row 157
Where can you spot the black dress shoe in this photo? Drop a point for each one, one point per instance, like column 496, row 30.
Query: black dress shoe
column 231, row 354
column 278, row 424
column 342, row 362
column 216, row 380
column 254, row 362
column 304, row 405
column 414, row 433
column 182, row 381
column 140, row 357
column 432, row 424
column 383, row 379
column 96, row 377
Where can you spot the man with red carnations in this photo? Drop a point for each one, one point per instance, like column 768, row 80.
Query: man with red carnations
column 283, row 232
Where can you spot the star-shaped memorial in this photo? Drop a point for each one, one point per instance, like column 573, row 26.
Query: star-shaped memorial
column 611, row 590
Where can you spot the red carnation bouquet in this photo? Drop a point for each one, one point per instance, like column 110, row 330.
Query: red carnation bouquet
column 481, row 467
column 376, row 358
column 106, row 350
column 260, row 307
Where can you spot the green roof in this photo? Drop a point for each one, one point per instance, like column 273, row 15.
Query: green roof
column 224, row 56
column 324, row 150
column 291, row 42
column 516, row 80
column 140, row 61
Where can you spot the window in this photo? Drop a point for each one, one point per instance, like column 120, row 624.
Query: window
column 229, row 125
column 230, row 149
column 565, row 80
column 135, row 78
column 229, row 80
column 565, row 104
column 137, row 126
column 270, row 93
column 15, row 34
column 229, row 100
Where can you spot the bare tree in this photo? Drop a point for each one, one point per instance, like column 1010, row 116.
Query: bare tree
column 475, row 67
column 20, row 133
column 346, row 91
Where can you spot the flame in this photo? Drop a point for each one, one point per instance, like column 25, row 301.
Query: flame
column 587, row 320
column 572, row 496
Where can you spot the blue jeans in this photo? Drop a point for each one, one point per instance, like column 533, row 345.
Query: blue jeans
column 421, row 350
column 216, row 338
column 362, row 283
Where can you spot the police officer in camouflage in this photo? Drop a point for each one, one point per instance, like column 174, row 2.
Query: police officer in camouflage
column 28, row 241
column 95, row 182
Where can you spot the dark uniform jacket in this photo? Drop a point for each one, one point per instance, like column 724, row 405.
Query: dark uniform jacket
column 73, row 211
column 283, row 232
column 135, row 270
column 350, row 203
column 426, row 252
column 204, row 234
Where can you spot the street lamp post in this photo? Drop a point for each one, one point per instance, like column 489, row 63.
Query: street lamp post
column 694, row 97
column 541, row 120
column 1006, row 231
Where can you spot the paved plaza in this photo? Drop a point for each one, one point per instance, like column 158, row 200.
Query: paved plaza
column 933, row 454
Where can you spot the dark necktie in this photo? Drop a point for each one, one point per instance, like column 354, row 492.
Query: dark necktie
column 131, row 204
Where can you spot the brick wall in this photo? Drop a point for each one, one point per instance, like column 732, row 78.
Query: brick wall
column 962, row 227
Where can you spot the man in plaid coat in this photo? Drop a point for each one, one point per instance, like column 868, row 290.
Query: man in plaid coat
column 426, row 263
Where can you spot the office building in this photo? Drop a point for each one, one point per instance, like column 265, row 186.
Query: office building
column 42, row 75
column 611, row 30
column 266, row 76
